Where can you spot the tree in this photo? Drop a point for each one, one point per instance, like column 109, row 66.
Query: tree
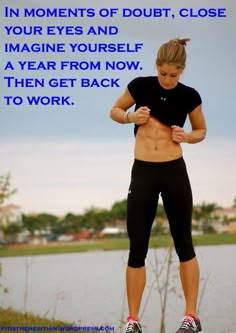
column 118, row 210
column 46, row 221
column 31, row 223
column 234, row 203
column 71, row 223
column 11, row 230
column 96, row 219
column 5, row 193
column 203, row 214
column 5, row 188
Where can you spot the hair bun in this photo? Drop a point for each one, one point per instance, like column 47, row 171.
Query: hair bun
column 182, row 41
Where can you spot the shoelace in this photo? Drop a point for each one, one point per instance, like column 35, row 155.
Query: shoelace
column 188, row 322
column 131, row 325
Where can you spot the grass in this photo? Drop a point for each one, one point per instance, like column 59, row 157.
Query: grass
column 215, row 239
column 11, row 318
column 108, row 244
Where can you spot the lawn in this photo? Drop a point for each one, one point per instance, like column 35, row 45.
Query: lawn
column 107, row 245
column 11, row 320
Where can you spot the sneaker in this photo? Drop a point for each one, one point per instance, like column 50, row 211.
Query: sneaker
column 132, row 326
column 190, row 324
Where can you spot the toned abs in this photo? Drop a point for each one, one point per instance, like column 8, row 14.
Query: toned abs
column 154, row 143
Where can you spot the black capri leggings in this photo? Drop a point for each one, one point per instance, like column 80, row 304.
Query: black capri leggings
column 148, row 180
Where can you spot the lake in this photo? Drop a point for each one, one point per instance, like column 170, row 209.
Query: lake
column 89, row 288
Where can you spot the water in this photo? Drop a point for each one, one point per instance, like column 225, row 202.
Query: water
column 89, row 288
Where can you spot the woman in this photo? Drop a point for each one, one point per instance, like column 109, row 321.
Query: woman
column 162, row 105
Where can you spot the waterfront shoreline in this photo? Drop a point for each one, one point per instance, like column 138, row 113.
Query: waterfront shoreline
column 108, row 244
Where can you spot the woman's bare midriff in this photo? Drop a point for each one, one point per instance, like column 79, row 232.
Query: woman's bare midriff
column 154, row 143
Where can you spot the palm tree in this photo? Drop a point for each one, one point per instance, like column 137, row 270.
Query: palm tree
column 234, row 203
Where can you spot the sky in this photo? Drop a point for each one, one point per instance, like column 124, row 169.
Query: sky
column 68, row 158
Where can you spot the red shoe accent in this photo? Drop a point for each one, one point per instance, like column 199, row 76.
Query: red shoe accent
column 194, row 317
column 130, row 317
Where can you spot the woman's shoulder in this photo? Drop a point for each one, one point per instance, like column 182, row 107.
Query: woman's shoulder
column 145, row 79
column 142, row 82
column 187, row 89
column 190, row 95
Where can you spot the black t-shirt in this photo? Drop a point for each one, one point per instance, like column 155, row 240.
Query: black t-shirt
column 169, row 106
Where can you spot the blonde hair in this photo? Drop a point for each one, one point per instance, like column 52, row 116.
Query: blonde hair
column 173, row 52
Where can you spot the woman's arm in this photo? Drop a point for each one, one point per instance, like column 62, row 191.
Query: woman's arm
column 122, row 104
column 198, row 124
column 198, row 132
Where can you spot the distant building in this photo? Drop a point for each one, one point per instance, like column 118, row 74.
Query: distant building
column 232, row 227
column 224, row 220
column 225, row 213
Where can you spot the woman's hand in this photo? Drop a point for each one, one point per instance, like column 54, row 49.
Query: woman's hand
column 140, row 116
column 178, row 134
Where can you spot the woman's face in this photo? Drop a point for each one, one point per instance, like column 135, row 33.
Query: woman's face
column 168, row 75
